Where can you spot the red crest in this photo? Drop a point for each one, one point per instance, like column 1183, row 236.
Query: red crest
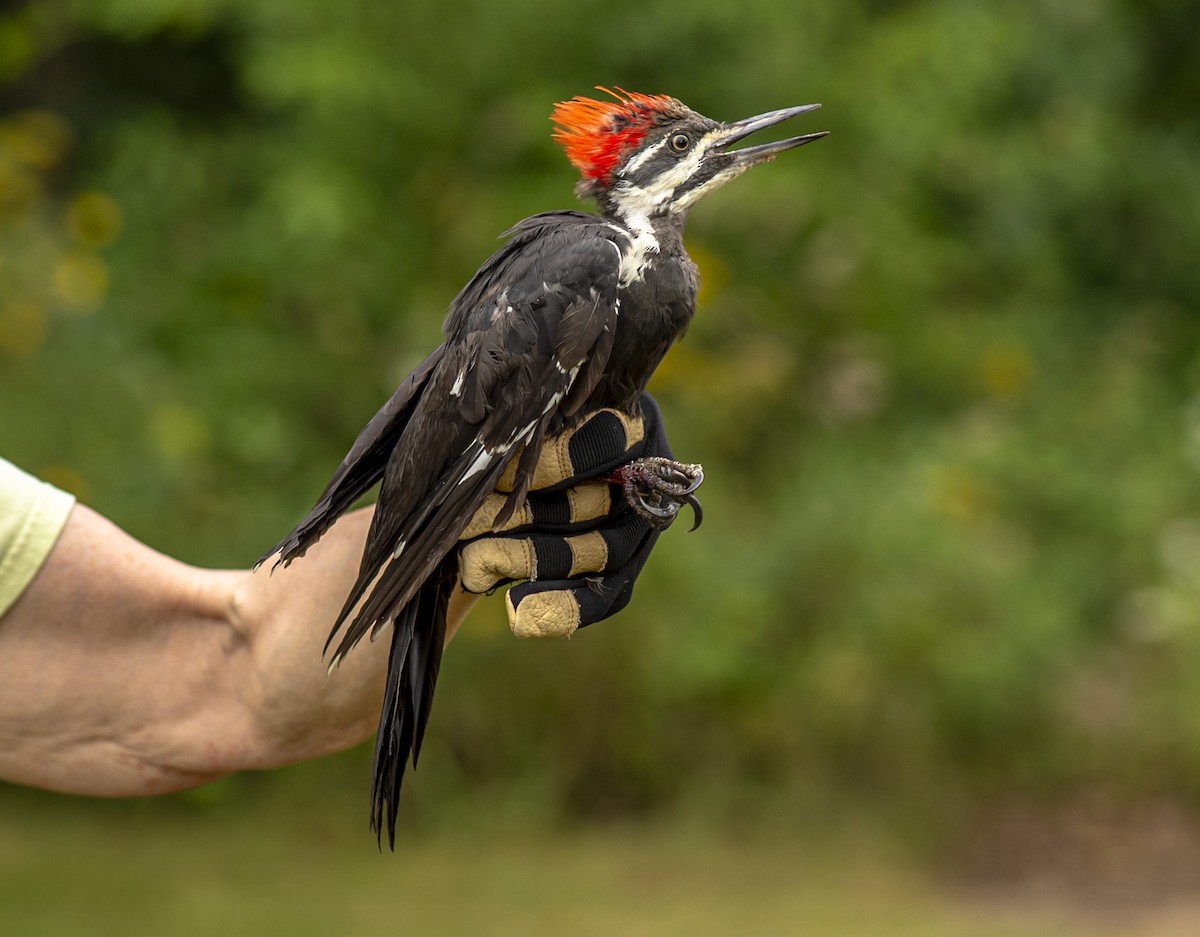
column 596, row 133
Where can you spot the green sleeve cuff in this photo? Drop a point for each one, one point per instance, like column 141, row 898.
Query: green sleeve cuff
column 32, row 515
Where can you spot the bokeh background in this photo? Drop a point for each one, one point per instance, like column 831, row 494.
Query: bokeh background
column 933, row 663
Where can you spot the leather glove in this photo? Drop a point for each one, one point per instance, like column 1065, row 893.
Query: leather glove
column 575, row 542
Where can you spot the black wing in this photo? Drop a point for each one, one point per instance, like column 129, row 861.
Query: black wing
column 526, row 340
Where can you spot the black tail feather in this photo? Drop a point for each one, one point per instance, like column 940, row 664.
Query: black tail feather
column 430, row 532
column 417, row 639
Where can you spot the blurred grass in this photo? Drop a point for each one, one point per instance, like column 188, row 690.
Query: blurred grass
column 72, row 871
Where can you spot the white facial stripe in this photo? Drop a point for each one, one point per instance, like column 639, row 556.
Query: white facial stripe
column 638, row 201
column 692, row 195
column 669, row 181
column 636, row 163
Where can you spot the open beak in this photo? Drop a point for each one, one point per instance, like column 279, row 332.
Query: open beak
column 750, row 155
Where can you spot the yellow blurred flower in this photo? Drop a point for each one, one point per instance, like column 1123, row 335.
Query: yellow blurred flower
column 19, row 193
column 754, row 369
column 94, row 219
column 38, row 139
column 685, row 365
column 23, row 327
column 714, row 275
column 66, row 478
column 1006, row 371
column 959, row 494
column 179, row 431
column 80, row 280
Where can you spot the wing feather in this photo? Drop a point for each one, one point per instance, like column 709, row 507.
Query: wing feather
column 539, row 315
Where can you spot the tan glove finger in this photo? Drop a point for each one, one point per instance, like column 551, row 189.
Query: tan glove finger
column 544, row 615
column 485, row 563
column 584, row 502
column 576, row 452
column 481, row 523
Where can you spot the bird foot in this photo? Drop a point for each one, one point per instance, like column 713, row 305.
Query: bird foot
column 656, row 488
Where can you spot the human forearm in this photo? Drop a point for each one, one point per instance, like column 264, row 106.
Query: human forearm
column 124, row 672
column 103, row 661
column 300, row 709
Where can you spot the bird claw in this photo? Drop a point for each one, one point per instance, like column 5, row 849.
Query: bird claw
column 656, row 488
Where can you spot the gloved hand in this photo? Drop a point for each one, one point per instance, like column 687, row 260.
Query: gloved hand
column 575, row 541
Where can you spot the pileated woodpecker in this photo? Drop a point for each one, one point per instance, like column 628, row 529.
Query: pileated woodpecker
column 572, row 314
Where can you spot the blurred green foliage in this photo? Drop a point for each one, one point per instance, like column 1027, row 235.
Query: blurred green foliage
column 945, row 377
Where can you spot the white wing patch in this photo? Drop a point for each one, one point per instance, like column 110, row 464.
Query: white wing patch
column 486, row 457
column 553, row 401
column 481, row 462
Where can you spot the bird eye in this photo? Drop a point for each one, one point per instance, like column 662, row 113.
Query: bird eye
column 680, row 142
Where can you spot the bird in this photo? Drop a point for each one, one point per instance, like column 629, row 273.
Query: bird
column 571, row 314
